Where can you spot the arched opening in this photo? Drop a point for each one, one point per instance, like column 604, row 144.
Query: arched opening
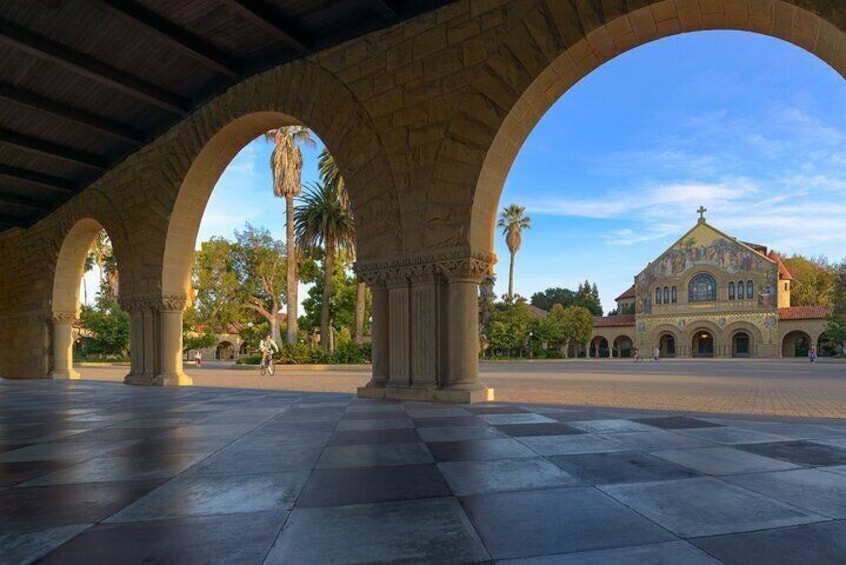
column 74, row 260
column 667, row 345
column 795, row 344
column 623, row 346
column 225, row 351
column 599, row 347
column 702, row 344
column 741, row 345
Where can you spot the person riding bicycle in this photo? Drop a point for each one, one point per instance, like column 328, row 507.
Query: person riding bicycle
column 267, row 347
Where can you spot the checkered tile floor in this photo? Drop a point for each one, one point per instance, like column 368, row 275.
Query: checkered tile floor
column 106, row 473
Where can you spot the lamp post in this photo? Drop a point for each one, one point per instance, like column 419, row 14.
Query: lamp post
column 530, row 345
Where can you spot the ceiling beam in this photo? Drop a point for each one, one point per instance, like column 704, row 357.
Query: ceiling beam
column 89, row 67
column 42, row 104
column 25, row 202
column 55, row 184
column 174, row 35
column 271, row 20
column 50, row 149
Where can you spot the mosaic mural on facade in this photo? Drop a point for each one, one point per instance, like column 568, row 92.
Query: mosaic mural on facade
column 705, row 246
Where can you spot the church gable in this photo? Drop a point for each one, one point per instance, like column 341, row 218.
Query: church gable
column 704, row 246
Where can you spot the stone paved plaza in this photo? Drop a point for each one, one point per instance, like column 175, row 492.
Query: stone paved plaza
column 98, row 472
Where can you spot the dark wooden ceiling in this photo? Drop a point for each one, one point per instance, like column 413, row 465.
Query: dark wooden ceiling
column 84, row 83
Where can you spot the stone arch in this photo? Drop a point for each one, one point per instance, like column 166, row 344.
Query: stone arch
column 756, row 338
column 623, row 345
column 225, row 350
column 795, row 343
column 559, row 43
column 657, row 338
column 70, row 268
column 716, row 332
column 598, row 343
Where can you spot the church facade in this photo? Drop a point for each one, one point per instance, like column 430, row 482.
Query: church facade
column 711, row 295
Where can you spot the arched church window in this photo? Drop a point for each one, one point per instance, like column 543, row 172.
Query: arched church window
column 666, row 295
column 675, row 295
column 658, row 295
column 740, row 290
column 749, row 289
column 731, row 291
column 702, row 288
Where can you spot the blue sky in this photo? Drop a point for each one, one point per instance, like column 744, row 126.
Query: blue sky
column 751, row 127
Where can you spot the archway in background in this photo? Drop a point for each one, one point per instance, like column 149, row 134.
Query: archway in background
column 741, row 345
column 635, row 28
column 623, row 346
column 795, row 344
column 70, row 268
column 702, row 343
column 667, row 345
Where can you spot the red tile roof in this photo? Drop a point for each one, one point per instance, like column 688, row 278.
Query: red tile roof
column 628, row 294
column 613, row 321
column 537, row 312
column 783, row 273
column 804, row 312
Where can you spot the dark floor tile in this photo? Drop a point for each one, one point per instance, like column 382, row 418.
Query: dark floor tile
column 800, row 452
column 407, row 435
column 449, row 421
column 479, row 450
column 235, row 538
column 234, row 460
column 543, row 522
column 576, row 416
column 527, row 430
column 36, row 508
column 484, row 409
column 374, row 414
column 621, row 467
column 676, row 423
column 820, row 544
column 14, row 473
column 337, row 487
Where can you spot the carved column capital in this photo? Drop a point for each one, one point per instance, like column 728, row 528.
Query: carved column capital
column 173, row 302
column 138, row 303
column 455, row 264
column 65, row 317
column 470, row 269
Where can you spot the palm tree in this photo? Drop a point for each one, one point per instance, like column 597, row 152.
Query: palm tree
column 331, row 175
column 322, row 221
column 286, row 162
column 513, row 221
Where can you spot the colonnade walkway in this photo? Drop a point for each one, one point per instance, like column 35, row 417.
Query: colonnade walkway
column 99, row 472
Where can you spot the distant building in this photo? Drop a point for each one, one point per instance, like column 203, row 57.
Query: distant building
column 711, row 295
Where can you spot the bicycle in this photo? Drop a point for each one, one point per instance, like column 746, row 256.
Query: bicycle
column 267, row 366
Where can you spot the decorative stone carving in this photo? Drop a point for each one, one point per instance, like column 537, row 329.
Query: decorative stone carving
column 65, row 317
column 456, row 263
column 144, row 302
column 173, row 303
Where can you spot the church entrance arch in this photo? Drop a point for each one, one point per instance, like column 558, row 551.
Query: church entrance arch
column 740, row 345
column 598, row 347
column 795, row 344
column 667, row 345
column 702, row 344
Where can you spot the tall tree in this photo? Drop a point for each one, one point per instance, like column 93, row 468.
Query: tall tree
column 835, row 327
column 513, row 221
column 813, row 280
column 101, row 254
column 331, row 175
column 322, row 221
column 286, row 162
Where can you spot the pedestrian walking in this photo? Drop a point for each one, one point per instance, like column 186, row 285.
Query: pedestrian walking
column 636, row 355
column 656, row 354
column 812, row 354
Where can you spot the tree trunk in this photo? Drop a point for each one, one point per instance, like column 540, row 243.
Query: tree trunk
column 292, row 270
column 511, row 277
column 328, row 268
column 359, row 312
column 275, row 333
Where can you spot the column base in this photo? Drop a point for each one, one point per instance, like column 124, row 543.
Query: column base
column 417, row 394
column 65, row 375
column 180, row 379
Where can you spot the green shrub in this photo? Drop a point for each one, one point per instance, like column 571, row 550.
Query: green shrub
column 254, row 359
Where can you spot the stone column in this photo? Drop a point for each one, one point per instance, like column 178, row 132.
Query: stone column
column 143, row 338
column 379, row 334
column 461, row 382
column 399, row 328
column 170, row 321
column 63, row 346
column 424, row 327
